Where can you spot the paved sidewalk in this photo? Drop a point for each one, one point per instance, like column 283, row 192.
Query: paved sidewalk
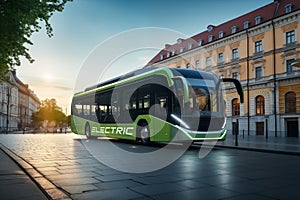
column 14, row 183
column 285, row 145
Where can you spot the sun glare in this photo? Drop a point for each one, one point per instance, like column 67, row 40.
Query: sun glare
column 48, row 77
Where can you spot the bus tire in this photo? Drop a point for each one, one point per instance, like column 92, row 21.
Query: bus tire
column 87, row 130
column 143, row 134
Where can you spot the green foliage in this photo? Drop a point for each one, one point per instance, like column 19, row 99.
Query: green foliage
column 49, row 111
column 19, row 19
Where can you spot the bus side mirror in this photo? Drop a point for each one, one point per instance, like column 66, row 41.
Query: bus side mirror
column 181, row 87
column 237, row 84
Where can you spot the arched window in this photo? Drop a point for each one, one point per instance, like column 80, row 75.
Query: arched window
column 260, row 105
column 235, row 105
column 290, row 102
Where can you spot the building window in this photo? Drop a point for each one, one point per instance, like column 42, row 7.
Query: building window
column 246, row 24
column 220, row 57
column 289, row 67
column 260, row 105
column 290, row 37
column 234, row 29
column 235, row 75
column 208, row 61
column 290, row 102
column 200, row 41
column 173, row 52
column 258, row 20
column 235, row 53
column 168, row 54
column 210, row 38
column 181, row 49
column 221, row 34
column 188, row 65
column 258, row 72
column 179, row 41
column 288, row 8
column 258, row 46
column 161, row 56
column 210, row 28
column 235, row 107
column 190, row 46
column 197, row 64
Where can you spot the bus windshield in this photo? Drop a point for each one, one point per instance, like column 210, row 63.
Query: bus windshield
column 200, row 99
column 202, row 95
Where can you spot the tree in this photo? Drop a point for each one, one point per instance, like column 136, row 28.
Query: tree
column 19, row 19
column 49, row 112
column 69, row 120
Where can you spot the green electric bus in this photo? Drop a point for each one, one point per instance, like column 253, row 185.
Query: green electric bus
column 154, row 105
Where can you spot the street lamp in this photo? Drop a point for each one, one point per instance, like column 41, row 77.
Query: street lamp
column 7, row 109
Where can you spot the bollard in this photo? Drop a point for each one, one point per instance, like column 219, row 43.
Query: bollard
column 267, row 134
column 237, row 133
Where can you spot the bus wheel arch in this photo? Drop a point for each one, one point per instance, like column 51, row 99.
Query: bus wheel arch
column 87, row 130
column 143, row 132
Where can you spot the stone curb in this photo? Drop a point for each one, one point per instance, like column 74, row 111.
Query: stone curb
column 48, row 188
column 285, row 152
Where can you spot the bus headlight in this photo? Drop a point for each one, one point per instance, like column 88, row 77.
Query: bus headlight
column 224, row 124
column 181, row 122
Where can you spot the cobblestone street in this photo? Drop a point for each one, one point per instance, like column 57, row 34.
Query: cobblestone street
column 224, row 174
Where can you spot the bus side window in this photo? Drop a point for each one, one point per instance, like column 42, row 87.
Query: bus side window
column 102, row 113
column 133, row 101
column 97, row 112
column 93, row 110
column 179, row 87
column 146, row 101
column 162, row 101
column 176, row 106
column 86, row 110
column 78, row 109
column 162, row 108
column 144, row 96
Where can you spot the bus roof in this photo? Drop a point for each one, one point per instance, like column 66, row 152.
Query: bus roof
column 129, row 77
column 191, row 73
column 122, row 77
column 146, row 72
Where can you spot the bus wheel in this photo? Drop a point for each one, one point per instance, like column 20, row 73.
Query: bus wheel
column 144, row 134
column 87, row 131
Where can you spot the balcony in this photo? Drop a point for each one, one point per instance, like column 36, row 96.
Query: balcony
column 290, row 46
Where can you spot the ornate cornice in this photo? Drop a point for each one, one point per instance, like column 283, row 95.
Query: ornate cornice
column 221, row 49
column 287, row 19
column 258, row 37
column 257, row 61
column 234, row 45
column 289, row 27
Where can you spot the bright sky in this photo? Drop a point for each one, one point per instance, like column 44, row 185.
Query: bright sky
column 84, row 24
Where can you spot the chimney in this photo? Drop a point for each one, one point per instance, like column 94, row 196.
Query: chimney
column 167, row 46
column 179, row 40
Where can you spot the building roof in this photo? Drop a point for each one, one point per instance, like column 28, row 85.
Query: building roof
column 265, row 13
column 24, row 88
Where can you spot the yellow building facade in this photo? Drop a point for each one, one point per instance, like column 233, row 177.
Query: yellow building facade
column 260, row 49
